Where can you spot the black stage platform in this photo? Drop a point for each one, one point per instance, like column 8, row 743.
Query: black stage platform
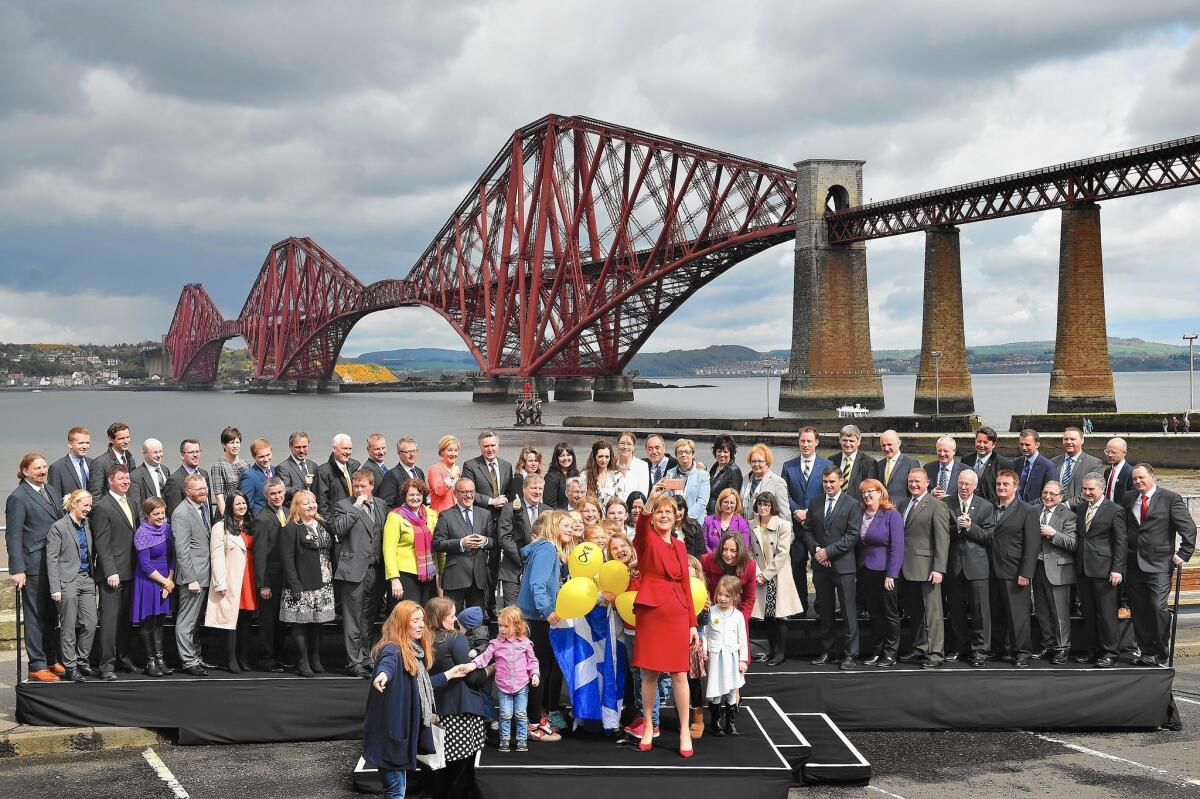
column 258, row 707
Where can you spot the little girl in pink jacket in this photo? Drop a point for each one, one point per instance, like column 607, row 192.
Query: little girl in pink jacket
column 516, row 670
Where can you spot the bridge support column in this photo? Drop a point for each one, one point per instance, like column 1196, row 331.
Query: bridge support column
column 831, row 332
column 1082, row 379
column 613, row 388
column 490, row 389
column 269, row 387
column 306, row 386
column 329, row 387
column 213, row 386
column 572, row 389
column 943, row 383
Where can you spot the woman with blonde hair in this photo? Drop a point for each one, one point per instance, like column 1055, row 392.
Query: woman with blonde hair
column 305, row 547
column 444, row 473
column 401, row 709
column 726, row 518
column 762, row 478
column 545, row 565
column 69, row 555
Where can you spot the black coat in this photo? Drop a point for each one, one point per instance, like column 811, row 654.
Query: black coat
column 969, row 547
column 389, row 489
column 721, row 479
column 449, row 650
column 268, row 567
column 1016, row 541
column 301, row 564
column 330, row 486
column 114, row 536
column 555, row 493
column 1102, row 549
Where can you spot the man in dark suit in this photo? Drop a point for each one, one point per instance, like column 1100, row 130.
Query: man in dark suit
column 657, row 458
column 1054, row 574
column 944, row 470
column 189, row 454
column 1015, row 549
column 268, row 572
column 1154, row 516
column 802, row 475
column 830, row 535
column 297, row 472
column 149, row 479
column 463, row 532
column 376, row 452
column 406, row 469
column 926, row 552
column 1072, row 465
column 119, row 439
column 73, row 470
column 973, row 522
column 514, row 531
column 29, row 511
column 1118, row 475
column 1035, row 468
column 358, row 526
column 114, row 518
column 854, row 464
column 1100, row 562
column 254, row 480
column 331, row 483
column 986, row 462
column 491, row 475
column 893, row 468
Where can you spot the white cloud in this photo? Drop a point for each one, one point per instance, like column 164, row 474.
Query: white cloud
column 82, row 317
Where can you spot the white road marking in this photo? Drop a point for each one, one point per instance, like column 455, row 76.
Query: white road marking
column 164, row 774
column 885, row 793
column 1113, row 758
column 1189, row 701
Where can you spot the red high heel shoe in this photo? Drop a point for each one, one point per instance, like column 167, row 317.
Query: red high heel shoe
column 645, row 747
column 686, row 752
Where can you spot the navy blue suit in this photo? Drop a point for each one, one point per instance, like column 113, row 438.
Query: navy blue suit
column 1042, row 471
column 800, row 494
column 253, row 481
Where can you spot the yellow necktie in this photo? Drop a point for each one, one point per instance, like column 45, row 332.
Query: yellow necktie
column 887, row 473
column 125, row 507
column 282, row 518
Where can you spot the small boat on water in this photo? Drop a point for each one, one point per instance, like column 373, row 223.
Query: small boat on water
column 855, row 411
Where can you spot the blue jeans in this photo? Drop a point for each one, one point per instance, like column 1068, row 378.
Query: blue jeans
column 514, row 704
column 393, row 784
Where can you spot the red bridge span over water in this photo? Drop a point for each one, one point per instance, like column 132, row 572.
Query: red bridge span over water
column 581, row 237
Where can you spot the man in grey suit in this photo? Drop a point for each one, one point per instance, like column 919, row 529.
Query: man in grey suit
column 69, row 558
column 830, row 536
column 926, row 551
column 297, row 471
column 358, row 527
column 189, row 454
column 491, row 475
column 73, row 470
column 29, row 511
column 968, row 569
column 1154, row 517
column 463, row 533
column 1100, row 561
column 332, row 481
column 406, row 469
column 119, row 439
column 191, row 524
column 514, row 531
column 114, row 518
column 893, row 468
column 149, row 479
column 1014, row 558
column 854, row 465
column 1071, row 467
column 1054, row 574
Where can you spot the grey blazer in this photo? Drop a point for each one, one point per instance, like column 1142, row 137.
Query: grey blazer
column 477, row 470
column 1058, row 553
column 926, row 538
column 191, row 536
column 513, row 533
column 770, row 482
column 1085, row 464
column 28, row 516
column 359, row 538
column 63, row 557
column 293, row 476
column 464, row 567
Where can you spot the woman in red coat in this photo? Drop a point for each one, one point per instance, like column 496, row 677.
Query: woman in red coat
column 666, row 620
column 731, row 557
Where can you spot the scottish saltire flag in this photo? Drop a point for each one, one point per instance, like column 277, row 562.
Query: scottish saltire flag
column 591, row 654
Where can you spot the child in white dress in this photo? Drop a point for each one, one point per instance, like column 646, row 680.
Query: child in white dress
column 728, row 647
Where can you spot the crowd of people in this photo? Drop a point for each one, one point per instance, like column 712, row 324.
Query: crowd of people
column 107, row 547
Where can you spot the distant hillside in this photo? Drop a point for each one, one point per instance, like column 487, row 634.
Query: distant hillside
column 421, row 359
column 686, row 362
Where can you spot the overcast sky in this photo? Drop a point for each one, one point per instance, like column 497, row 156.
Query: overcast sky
column 149, row 145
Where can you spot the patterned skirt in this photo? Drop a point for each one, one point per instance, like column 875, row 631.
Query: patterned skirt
column 310, row 607
column 466, row 734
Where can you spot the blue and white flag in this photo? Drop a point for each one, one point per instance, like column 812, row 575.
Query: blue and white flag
column 591, row 654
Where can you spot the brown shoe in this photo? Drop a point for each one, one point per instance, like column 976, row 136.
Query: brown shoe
column 697, row 725
column 44, row 675
column 59, row 669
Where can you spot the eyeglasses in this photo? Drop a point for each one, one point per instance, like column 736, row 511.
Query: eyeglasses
column 192, row 451
column 1051, row 494
column 870, row 491
column 408, row 452
column 758, row 462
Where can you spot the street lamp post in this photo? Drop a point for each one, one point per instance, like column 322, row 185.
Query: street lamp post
column 1190, row 338
column 937, row 382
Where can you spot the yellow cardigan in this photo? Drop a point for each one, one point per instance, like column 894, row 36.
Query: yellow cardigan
column 398, row 555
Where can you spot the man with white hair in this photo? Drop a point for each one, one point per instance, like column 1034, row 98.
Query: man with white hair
column 150, row 478
column 944, row 470
column 332, row 481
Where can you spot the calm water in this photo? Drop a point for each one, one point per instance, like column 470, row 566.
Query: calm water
column 39, row 421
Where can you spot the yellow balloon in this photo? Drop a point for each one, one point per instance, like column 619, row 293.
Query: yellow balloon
column 577, row 597
column 699, row 595
column 624, row 603
column 585, row 560
column 614, row 577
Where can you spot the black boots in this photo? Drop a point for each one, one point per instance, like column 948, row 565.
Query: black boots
column 157, row 635
column 714, row 712
column 731, row 711
column 314, row 648
column 300, row 640
column 144, row 633
column 231, row 661
column 778, row 639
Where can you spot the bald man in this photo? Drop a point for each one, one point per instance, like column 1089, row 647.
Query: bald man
column 1118, row 475
column 150, row 478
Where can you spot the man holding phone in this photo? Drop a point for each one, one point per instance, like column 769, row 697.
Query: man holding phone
column 463, row 533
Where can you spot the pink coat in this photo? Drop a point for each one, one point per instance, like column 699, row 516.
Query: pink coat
column 515, row 662
column 228, row 559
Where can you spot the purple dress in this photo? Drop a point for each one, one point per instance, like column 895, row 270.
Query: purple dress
column 155, row 553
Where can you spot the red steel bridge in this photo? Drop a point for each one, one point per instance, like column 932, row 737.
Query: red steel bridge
column 581, row 237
